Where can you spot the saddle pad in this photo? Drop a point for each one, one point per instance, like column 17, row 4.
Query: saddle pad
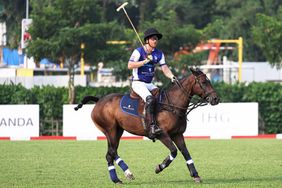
column 129, row 105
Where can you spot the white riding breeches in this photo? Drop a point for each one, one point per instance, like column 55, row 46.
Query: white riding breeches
column 143, row 89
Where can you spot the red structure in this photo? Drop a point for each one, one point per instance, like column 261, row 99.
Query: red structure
column 213, row 48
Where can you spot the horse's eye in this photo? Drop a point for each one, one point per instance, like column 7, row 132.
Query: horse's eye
column 204, row 82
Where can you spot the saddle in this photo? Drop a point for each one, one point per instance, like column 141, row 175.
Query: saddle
column 133, row 104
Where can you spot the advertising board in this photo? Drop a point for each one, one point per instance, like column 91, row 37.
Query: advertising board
column 19, row 122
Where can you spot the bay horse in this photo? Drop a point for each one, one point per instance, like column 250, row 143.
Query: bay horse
column 171, row 117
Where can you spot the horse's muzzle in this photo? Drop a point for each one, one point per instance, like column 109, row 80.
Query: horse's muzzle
column 213, row 99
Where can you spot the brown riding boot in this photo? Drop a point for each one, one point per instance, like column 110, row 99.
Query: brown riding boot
column 151, row 124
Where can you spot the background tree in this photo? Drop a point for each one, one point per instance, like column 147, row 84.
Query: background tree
column 267, row 35
column 237, row 18
column 59, row 27
column 12, row 12
column 175, row 36
column 197, row 13
column 62, row 25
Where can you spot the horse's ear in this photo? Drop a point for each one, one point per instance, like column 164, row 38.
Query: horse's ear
column 194, row 71
column 199, row 71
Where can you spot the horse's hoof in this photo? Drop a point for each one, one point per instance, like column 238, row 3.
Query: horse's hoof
column 151, row 136
column 197, row 179
column 158, row 169
column 129, row 176
column 119, row 182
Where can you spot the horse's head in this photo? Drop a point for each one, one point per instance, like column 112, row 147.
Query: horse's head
column 203, row 87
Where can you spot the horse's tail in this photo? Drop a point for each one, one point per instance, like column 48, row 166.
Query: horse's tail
column 85, row 100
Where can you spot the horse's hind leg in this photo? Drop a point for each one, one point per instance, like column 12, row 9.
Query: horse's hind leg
column 127, row 173
column 110, row 159
column 180, row 143
column 165, row 139
column 113, row 138
column 111, row 154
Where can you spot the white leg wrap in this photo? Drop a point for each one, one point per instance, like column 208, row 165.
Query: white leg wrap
column 190, row 161
column 171, row 158
column 118, row 160
column 111, row 167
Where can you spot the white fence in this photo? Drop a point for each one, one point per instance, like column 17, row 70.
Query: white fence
column 20, row 122
column 251, row 72
column 57, row 81
column 224, row 120
column 221, row 121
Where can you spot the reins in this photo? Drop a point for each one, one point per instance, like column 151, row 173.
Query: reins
column 191, row 105
column 202, row 87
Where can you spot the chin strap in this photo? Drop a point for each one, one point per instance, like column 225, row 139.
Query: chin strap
column 146, row 47
column 150, row 45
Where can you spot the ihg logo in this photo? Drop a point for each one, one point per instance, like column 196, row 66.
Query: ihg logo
column 215, row 118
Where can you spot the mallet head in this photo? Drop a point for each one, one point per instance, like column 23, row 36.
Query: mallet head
column 122, row 6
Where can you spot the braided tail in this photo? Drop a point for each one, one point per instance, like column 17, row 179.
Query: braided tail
column 85, row 100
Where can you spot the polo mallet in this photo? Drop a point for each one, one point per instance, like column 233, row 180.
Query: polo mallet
column 122, row 7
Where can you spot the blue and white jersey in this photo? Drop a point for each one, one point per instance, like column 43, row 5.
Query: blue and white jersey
column 146, row 72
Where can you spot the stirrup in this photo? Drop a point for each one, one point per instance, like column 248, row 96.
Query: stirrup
column 155, row 130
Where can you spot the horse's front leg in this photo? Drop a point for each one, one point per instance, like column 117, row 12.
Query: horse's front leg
column 180, row 143
column 113, row 142
column 166, row 140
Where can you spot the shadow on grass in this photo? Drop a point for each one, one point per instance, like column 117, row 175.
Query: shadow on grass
column 241, row 180
column 215, row 181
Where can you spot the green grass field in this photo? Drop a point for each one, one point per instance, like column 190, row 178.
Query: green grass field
column 220, row 163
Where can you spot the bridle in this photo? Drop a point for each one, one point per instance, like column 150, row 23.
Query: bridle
column 203, row 87
column 200, row 102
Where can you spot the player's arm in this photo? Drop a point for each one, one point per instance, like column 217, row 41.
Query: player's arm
column 134, row 60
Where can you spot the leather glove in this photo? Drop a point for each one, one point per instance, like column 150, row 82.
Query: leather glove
column 173, row 79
